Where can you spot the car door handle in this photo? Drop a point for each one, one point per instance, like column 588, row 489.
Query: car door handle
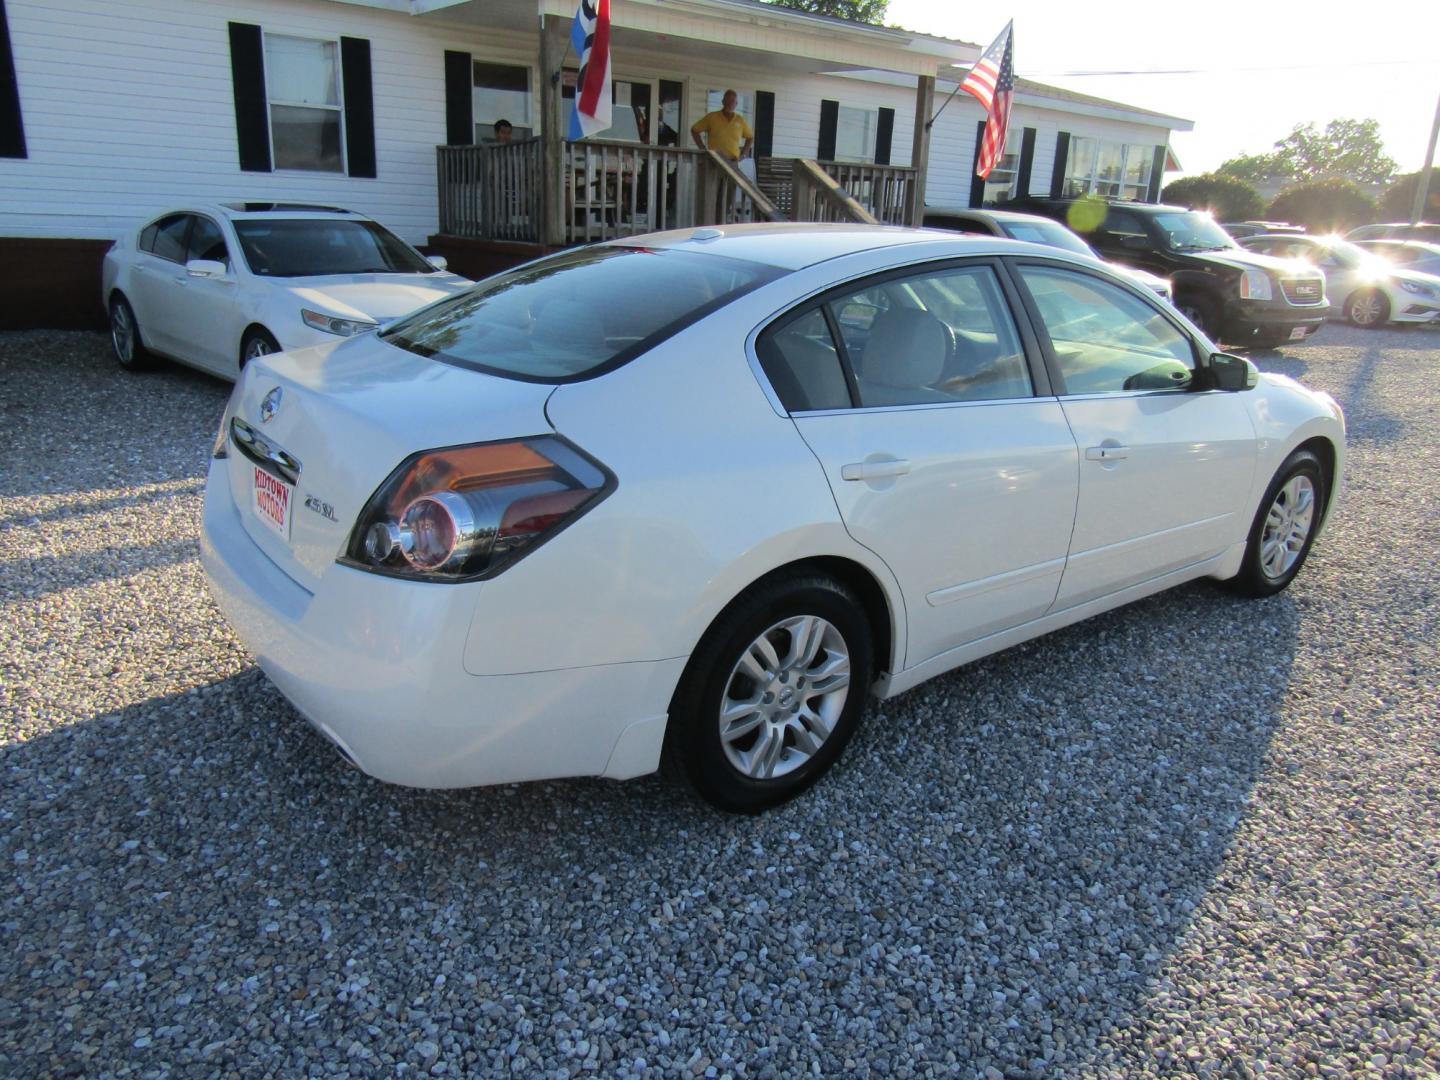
column 874, row 470
column 1108, row 452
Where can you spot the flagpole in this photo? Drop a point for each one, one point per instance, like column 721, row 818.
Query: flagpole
column 931, row 122
column 1422, row 182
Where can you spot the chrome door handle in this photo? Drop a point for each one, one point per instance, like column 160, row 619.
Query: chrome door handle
column 874, row 470
column 1107, row 453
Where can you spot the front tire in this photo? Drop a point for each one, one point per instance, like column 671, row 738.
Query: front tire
column 1203, row 312
column 1368, row 309
column 125, row 341
column 1284, row 528
column 257, row 342
column 772, row 693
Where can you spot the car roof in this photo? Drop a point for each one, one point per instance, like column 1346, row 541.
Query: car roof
column 795, row 245
column 1121, row 204
column 238, row 210
column 986, row 214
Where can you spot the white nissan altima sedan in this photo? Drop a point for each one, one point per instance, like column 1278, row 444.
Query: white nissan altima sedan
column 701, row 493
column 215, row 285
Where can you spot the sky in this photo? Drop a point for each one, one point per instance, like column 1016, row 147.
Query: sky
column 1261, row 69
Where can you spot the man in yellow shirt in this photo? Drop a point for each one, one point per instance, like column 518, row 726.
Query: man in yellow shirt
column 724, row 130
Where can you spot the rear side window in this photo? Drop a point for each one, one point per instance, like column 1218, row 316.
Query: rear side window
column 578, row 313
column 803, row 365
column 166, row 238
column 1105, row 339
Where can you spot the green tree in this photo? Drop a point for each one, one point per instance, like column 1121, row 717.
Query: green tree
column 862, row 11
column 1226, row 197
column 1399, row 198
column 1330, row 205
column 1347, row 149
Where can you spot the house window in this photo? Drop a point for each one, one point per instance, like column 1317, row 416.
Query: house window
column 501, row 92
column 1000, row 184
column 1109, row 169
column 302, row 83
column 855, row 134
column 632, row 111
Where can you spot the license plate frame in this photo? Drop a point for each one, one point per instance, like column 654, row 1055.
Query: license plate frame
column 272, row 501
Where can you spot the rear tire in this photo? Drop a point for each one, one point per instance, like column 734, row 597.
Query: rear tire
column 1284, row 528
column 125, row 341
column 772, row 693
column 257, row 342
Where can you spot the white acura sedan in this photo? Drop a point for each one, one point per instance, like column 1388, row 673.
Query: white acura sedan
column 214, row 286
column 702, row 492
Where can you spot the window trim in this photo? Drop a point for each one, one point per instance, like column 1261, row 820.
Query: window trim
column 1035, row 364
column 536, row 121
column 1047, row 347
column 338, row 109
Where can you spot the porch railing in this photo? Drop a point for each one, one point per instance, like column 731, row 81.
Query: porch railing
column 491, row 191
column 819, row 197
column 617, row 189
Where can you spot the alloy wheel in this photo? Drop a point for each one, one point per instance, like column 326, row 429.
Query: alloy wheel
column 784, row 697
column 1366, row 309
column 256, row 346
column 1287, row 526
column 122, row 333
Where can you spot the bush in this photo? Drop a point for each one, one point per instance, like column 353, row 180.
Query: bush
column 1323, row 206
column 1399, row 198
column 1226, row 197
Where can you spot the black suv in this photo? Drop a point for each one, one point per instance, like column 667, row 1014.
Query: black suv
column 1235, row 296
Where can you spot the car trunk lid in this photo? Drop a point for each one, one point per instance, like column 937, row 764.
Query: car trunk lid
column 334, row 421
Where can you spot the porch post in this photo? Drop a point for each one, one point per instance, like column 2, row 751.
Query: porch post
column 552, row 138
column 920, row 149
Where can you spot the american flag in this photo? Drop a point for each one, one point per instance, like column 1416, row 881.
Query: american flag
column 992, row 82
column 590, row 38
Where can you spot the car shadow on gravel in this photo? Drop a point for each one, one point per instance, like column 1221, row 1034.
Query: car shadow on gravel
column 992, row 876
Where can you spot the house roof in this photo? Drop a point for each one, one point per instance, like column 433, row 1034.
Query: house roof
column 1055, row 93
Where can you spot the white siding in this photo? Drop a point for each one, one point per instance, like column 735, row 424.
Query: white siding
column 128, row 108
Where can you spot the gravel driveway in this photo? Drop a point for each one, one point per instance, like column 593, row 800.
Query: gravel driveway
column 1198, row 834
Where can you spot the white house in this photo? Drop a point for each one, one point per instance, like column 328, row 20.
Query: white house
column 111, row 110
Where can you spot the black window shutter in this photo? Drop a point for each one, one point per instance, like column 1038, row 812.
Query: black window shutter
column 829, row 123
column 1157, row 173
column 12, row 125
column 1027, row 163
column 252, row 108
column 977, row 185
column 1062, row 159
column 764, row 123
column 359, row 106
column 883, row 131
column 459, row 102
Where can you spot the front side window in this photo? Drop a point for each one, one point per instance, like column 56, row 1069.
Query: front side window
column 501, row 92
column 207, row 242
column 855, row 131
column 302, row 81
column 1105, row 339
column 578, row 313
column 300, row 247
column 166, row 238
column 941, row 336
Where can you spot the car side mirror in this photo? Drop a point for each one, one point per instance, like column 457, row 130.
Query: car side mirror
column 1227, row 372
column 438, row 261
column 205, row 268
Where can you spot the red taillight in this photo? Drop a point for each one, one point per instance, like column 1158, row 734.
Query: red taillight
column 468, row 512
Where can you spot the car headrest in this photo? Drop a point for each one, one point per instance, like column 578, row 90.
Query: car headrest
column 906, row 348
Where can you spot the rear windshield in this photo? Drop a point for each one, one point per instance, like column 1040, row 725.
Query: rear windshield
column 578, row 313
column 298, row 247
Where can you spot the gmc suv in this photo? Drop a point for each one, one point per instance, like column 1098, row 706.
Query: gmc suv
column 1233, row 295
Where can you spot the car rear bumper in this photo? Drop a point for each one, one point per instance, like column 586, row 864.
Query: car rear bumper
column 377, row 666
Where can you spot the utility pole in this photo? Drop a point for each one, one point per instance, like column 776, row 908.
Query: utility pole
column 1422, row 182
